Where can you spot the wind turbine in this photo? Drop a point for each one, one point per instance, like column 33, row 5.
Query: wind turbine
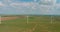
column 33, row 7
column 1, row 5
column 54, row 3
column 0, row 19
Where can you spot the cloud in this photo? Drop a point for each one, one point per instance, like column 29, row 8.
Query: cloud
column 24, row 4
column 20, row 4
column 58, row 5
column 46, row 0
column 9, row 0
column 1, row 4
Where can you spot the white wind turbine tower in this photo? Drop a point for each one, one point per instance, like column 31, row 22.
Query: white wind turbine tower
column 54, row 3
column 32, row 8
column 6, row 3
column 0, row 16
column 1, row 4
column 0, row 19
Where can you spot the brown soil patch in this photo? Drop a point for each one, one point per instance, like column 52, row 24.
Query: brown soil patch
column 44, row 30
column 8, row 18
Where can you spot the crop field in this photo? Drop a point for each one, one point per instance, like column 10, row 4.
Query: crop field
column 33, row 24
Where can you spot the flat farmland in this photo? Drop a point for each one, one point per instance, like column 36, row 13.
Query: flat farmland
column 35, row 24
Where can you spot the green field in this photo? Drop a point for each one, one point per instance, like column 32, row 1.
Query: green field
column 35, row 24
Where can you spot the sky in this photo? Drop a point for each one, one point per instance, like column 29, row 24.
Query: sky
column 34, row 7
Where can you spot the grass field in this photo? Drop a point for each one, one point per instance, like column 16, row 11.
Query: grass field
column 35, row 24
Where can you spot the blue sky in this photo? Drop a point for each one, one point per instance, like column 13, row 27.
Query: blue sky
column 58, row 1
column 27, row 7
